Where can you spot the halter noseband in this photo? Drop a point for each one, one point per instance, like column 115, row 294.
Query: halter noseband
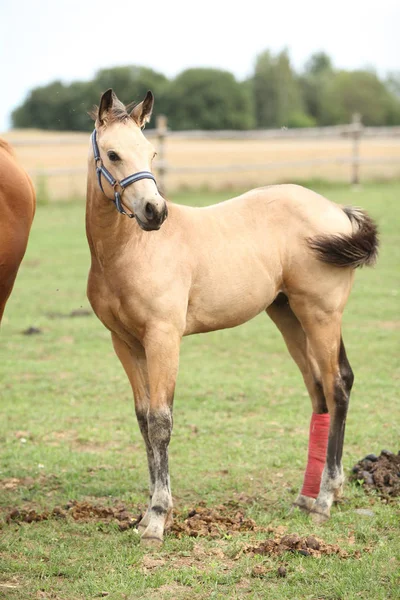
column 101, row 170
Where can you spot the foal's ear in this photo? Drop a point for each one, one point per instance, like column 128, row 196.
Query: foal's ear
column 106, row 102
column 141, row 113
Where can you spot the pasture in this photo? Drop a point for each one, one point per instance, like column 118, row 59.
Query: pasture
column 66, row 155
column 68, row 434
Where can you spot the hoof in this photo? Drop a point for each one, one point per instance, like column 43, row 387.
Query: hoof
column 319, row 518
column 151, row 541
column 304, row 503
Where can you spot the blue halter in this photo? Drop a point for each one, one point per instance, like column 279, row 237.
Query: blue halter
column 101, row 170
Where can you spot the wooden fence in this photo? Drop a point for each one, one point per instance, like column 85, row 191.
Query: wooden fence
column 354, row 135
column 354, row 131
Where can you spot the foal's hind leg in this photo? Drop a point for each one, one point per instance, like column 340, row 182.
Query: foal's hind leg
column 288, row 324
column 133, row 360
column 323, row 330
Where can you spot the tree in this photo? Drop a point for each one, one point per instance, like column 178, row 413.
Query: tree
column 131, row 84
column 362, row 91
column 393, row 85
column 65, row 107
column 82, row 96
column 274, row 96
column 209, row 99
column 319, row 63
column 45, row 108
column 276, row 91
column 313, row 82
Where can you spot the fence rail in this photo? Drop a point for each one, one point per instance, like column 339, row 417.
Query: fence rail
column 354, row 132
column 341, row 160
column 335, row 131
column 282, row 134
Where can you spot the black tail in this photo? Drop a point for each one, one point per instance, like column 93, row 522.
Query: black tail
column 356, row 249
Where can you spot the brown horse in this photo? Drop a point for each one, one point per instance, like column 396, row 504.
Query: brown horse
column 281, row 249
column 17, row 209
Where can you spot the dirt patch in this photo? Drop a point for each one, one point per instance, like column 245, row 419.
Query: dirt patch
column 32, row 516
column 14, row 483
column 169, row 591
column 97, row 447
column 306, row 546
column 217, row 522
column 85, row 511
column 55, row 438
column 72, row 438
column 13, row 584
column 32, row 331
column 380, row 473
column 79, row 312
column 389, row 325
column 79, row 511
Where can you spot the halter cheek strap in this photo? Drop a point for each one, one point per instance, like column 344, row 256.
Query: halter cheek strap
column 101, row 170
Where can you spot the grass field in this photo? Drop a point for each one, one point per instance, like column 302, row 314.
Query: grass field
column 68, row 433
column 208, row 154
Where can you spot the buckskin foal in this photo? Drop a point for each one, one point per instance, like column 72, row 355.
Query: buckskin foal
column 283, row 249
column 17, row 207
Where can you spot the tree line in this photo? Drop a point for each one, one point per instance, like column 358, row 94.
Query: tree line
column 275, row 95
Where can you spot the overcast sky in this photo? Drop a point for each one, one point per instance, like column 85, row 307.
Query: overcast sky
column 41, row 41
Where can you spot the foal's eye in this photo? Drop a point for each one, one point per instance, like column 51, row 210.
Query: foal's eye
column 113, row 156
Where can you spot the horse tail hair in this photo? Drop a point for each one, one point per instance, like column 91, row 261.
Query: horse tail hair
column 355, row 249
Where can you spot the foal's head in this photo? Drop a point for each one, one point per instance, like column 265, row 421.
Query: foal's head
column 125, row 151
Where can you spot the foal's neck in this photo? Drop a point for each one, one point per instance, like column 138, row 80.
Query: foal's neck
column 107, row 230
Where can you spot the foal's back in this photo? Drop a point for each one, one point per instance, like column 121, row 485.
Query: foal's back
column 244, row 251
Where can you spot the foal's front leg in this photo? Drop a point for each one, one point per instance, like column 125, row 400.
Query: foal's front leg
column 162, row 351
column 133, row 359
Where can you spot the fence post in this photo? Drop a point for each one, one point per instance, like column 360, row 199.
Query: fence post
column 162, row 128
column 356, row 133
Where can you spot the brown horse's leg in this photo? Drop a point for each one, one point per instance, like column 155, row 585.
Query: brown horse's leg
column 2, row 307
column 133, row 360
column 288, row 324
column 162, row 344
column 323, row 331
column 8, row 275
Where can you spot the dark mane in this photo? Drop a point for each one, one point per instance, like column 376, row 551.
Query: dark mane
column 117, row 113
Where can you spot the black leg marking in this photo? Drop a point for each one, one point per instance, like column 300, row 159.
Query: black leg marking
column 320, row 397
column 160, row 428
column 159, row 510
column 346, row 371
column 142, row 421
column 343, row 387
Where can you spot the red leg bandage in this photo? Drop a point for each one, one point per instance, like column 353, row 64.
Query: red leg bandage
column 317, row 444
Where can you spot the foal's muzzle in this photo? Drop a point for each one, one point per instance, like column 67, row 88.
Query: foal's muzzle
column 152, row 217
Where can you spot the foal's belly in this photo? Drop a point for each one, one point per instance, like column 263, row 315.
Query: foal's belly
column 228, row 302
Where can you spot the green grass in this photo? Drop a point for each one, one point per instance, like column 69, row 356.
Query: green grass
column 241, row 424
